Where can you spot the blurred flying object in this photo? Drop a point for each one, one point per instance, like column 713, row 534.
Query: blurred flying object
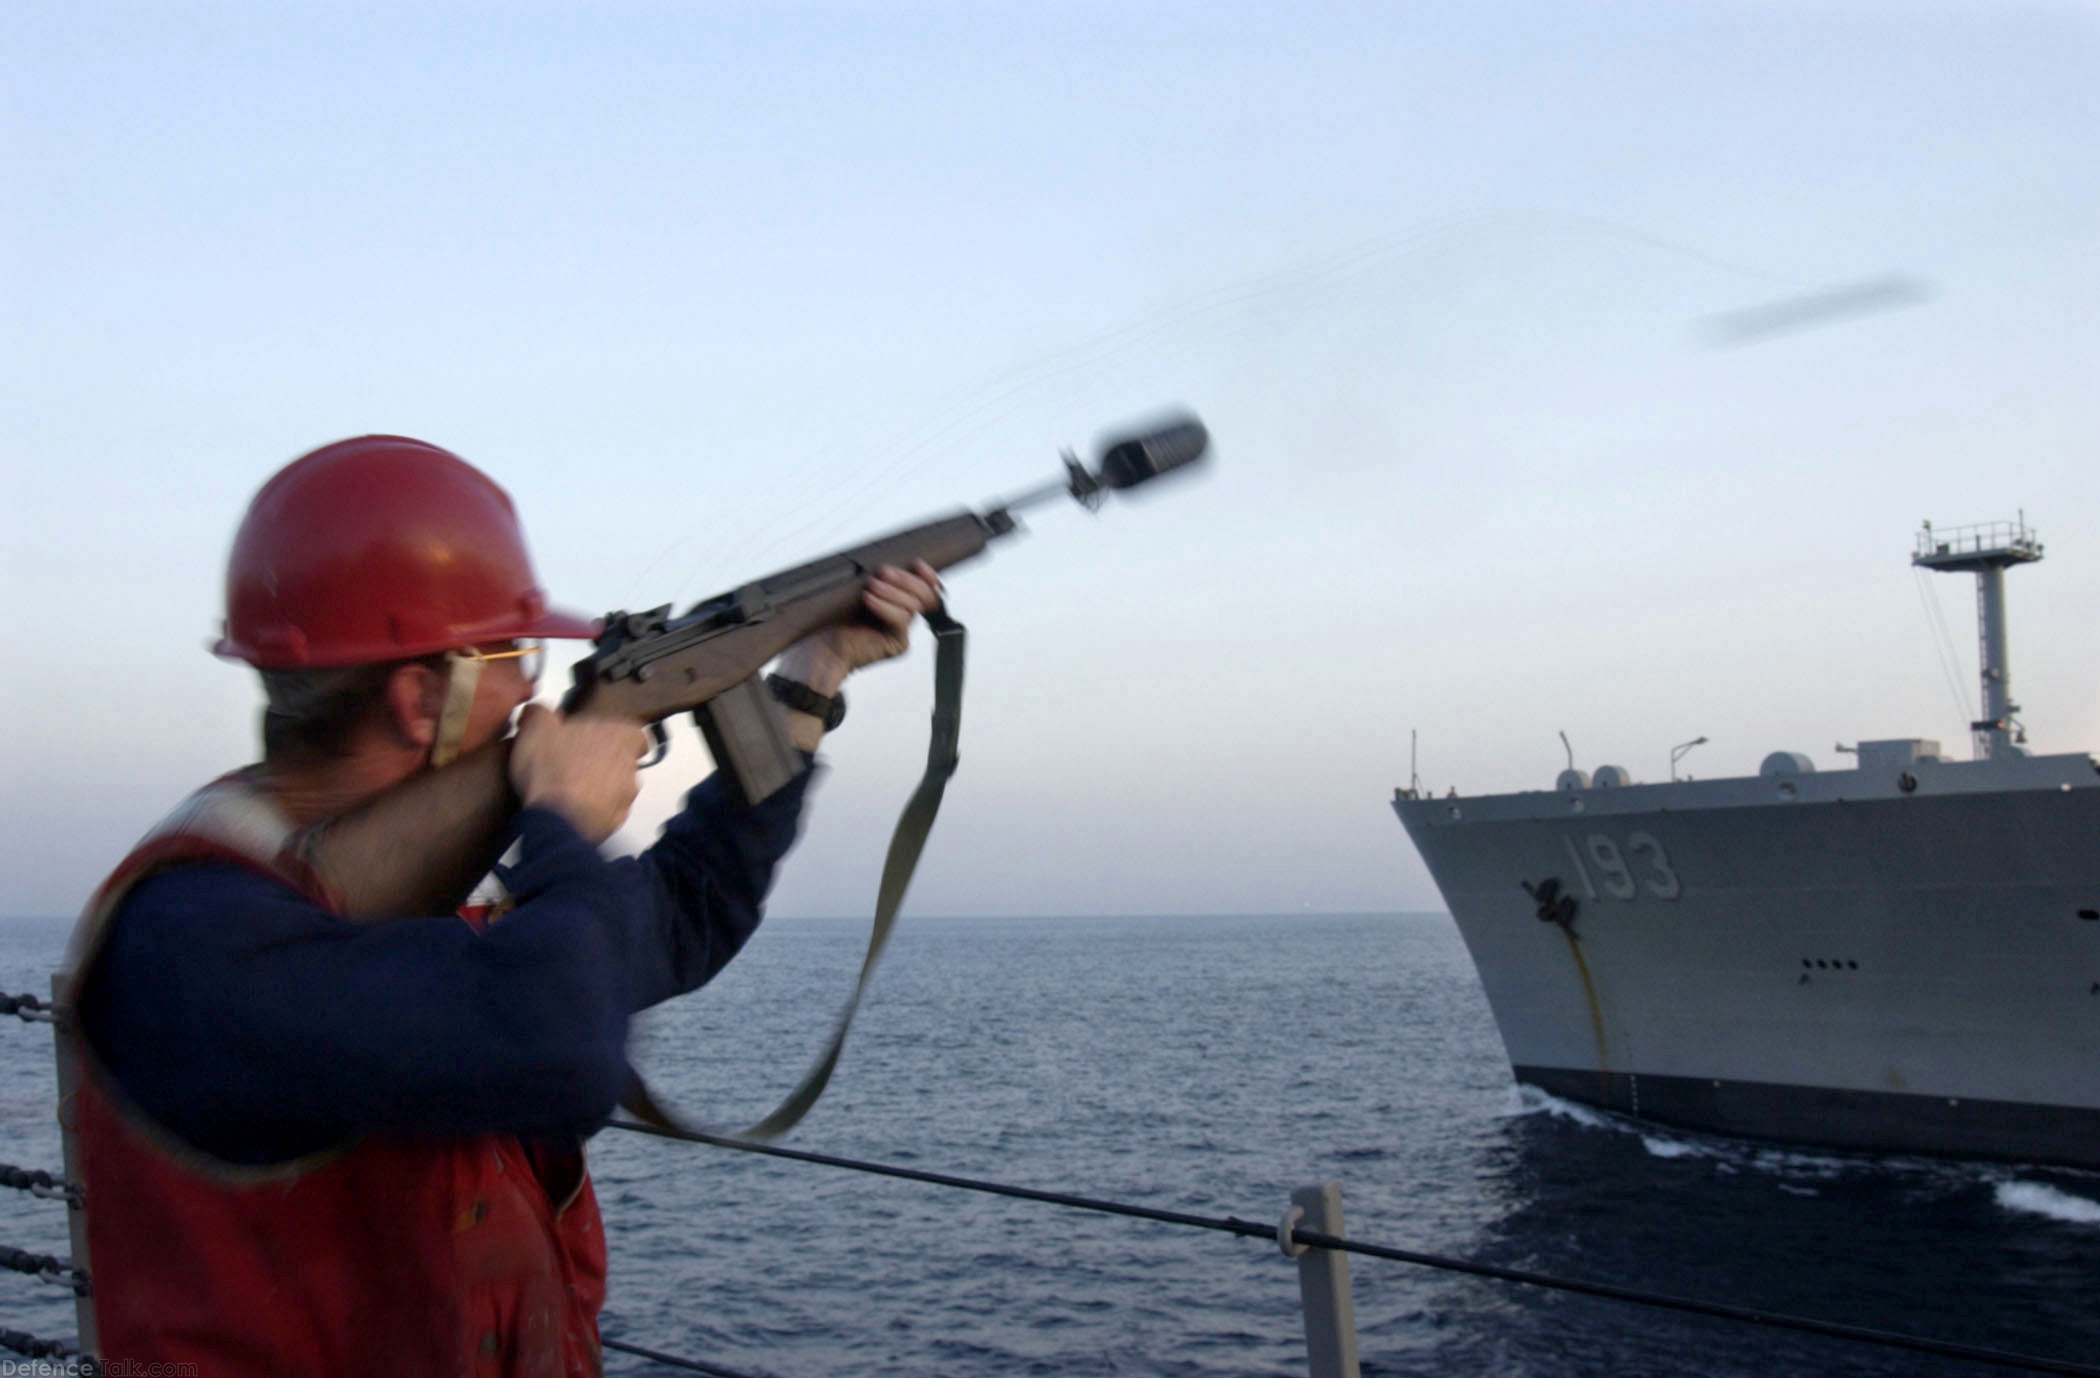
column 1814, row 309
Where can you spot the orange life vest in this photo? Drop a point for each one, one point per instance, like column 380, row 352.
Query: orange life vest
column 397, row 1256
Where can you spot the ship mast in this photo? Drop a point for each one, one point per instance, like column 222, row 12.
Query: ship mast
column 1989, row 549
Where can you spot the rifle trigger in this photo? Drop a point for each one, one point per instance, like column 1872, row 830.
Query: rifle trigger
column 660, row 742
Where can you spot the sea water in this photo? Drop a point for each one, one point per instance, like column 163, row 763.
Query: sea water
column 1210, row 1066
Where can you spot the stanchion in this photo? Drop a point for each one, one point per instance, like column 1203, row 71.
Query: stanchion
column 1323, row 1281
column 69, row 1148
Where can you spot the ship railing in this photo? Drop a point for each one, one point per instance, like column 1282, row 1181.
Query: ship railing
column 1310, row 1232
column 1977, row 538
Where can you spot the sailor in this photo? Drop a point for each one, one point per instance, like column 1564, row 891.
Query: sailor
column 324, row 1147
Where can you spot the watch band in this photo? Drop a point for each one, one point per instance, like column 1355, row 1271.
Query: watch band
column 829, row 709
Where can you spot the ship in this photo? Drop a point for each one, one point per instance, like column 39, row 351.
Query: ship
column 1902, row 956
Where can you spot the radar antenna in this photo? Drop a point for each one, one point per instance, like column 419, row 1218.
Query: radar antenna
column 1988, row 549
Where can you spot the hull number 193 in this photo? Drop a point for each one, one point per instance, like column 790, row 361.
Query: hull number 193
column 1622, row 873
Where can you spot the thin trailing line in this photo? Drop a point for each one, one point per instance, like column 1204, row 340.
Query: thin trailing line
column 673, row 1360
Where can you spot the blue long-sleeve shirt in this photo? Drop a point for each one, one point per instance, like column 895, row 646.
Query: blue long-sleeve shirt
column 259, row 1027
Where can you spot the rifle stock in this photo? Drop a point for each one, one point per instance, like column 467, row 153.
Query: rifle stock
column 420, row 847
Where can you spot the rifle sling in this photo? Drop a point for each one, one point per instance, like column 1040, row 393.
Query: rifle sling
column 906, row 843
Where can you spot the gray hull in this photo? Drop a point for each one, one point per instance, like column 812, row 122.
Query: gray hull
column 1898, row 960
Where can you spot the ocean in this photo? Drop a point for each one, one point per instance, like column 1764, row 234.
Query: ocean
column 1211, row 1065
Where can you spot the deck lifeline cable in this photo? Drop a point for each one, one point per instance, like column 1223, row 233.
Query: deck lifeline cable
column 1778, row 1320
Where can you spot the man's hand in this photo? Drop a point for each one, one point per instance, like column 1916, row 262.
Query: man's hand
column 823, row 659
column 586, row 769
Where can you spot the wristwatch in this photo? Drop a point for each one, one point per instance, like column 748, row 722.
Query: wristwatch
column 828, row 709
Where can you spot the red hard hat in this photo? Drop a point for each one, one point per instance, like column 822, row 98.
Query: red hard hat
column 377, row 549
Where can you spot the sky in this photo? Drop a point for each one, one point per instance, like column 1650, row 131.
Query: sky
column 715, row 288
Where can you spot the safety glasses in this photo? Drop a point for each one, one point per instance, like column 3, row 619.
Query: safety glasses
column 530, row 653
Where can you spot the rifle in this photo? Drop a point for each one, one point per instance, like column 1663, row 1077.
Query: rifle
column 420, row 847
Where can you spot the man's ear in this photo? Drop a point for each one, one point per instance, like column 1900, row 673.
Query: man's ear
column 415, row 700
